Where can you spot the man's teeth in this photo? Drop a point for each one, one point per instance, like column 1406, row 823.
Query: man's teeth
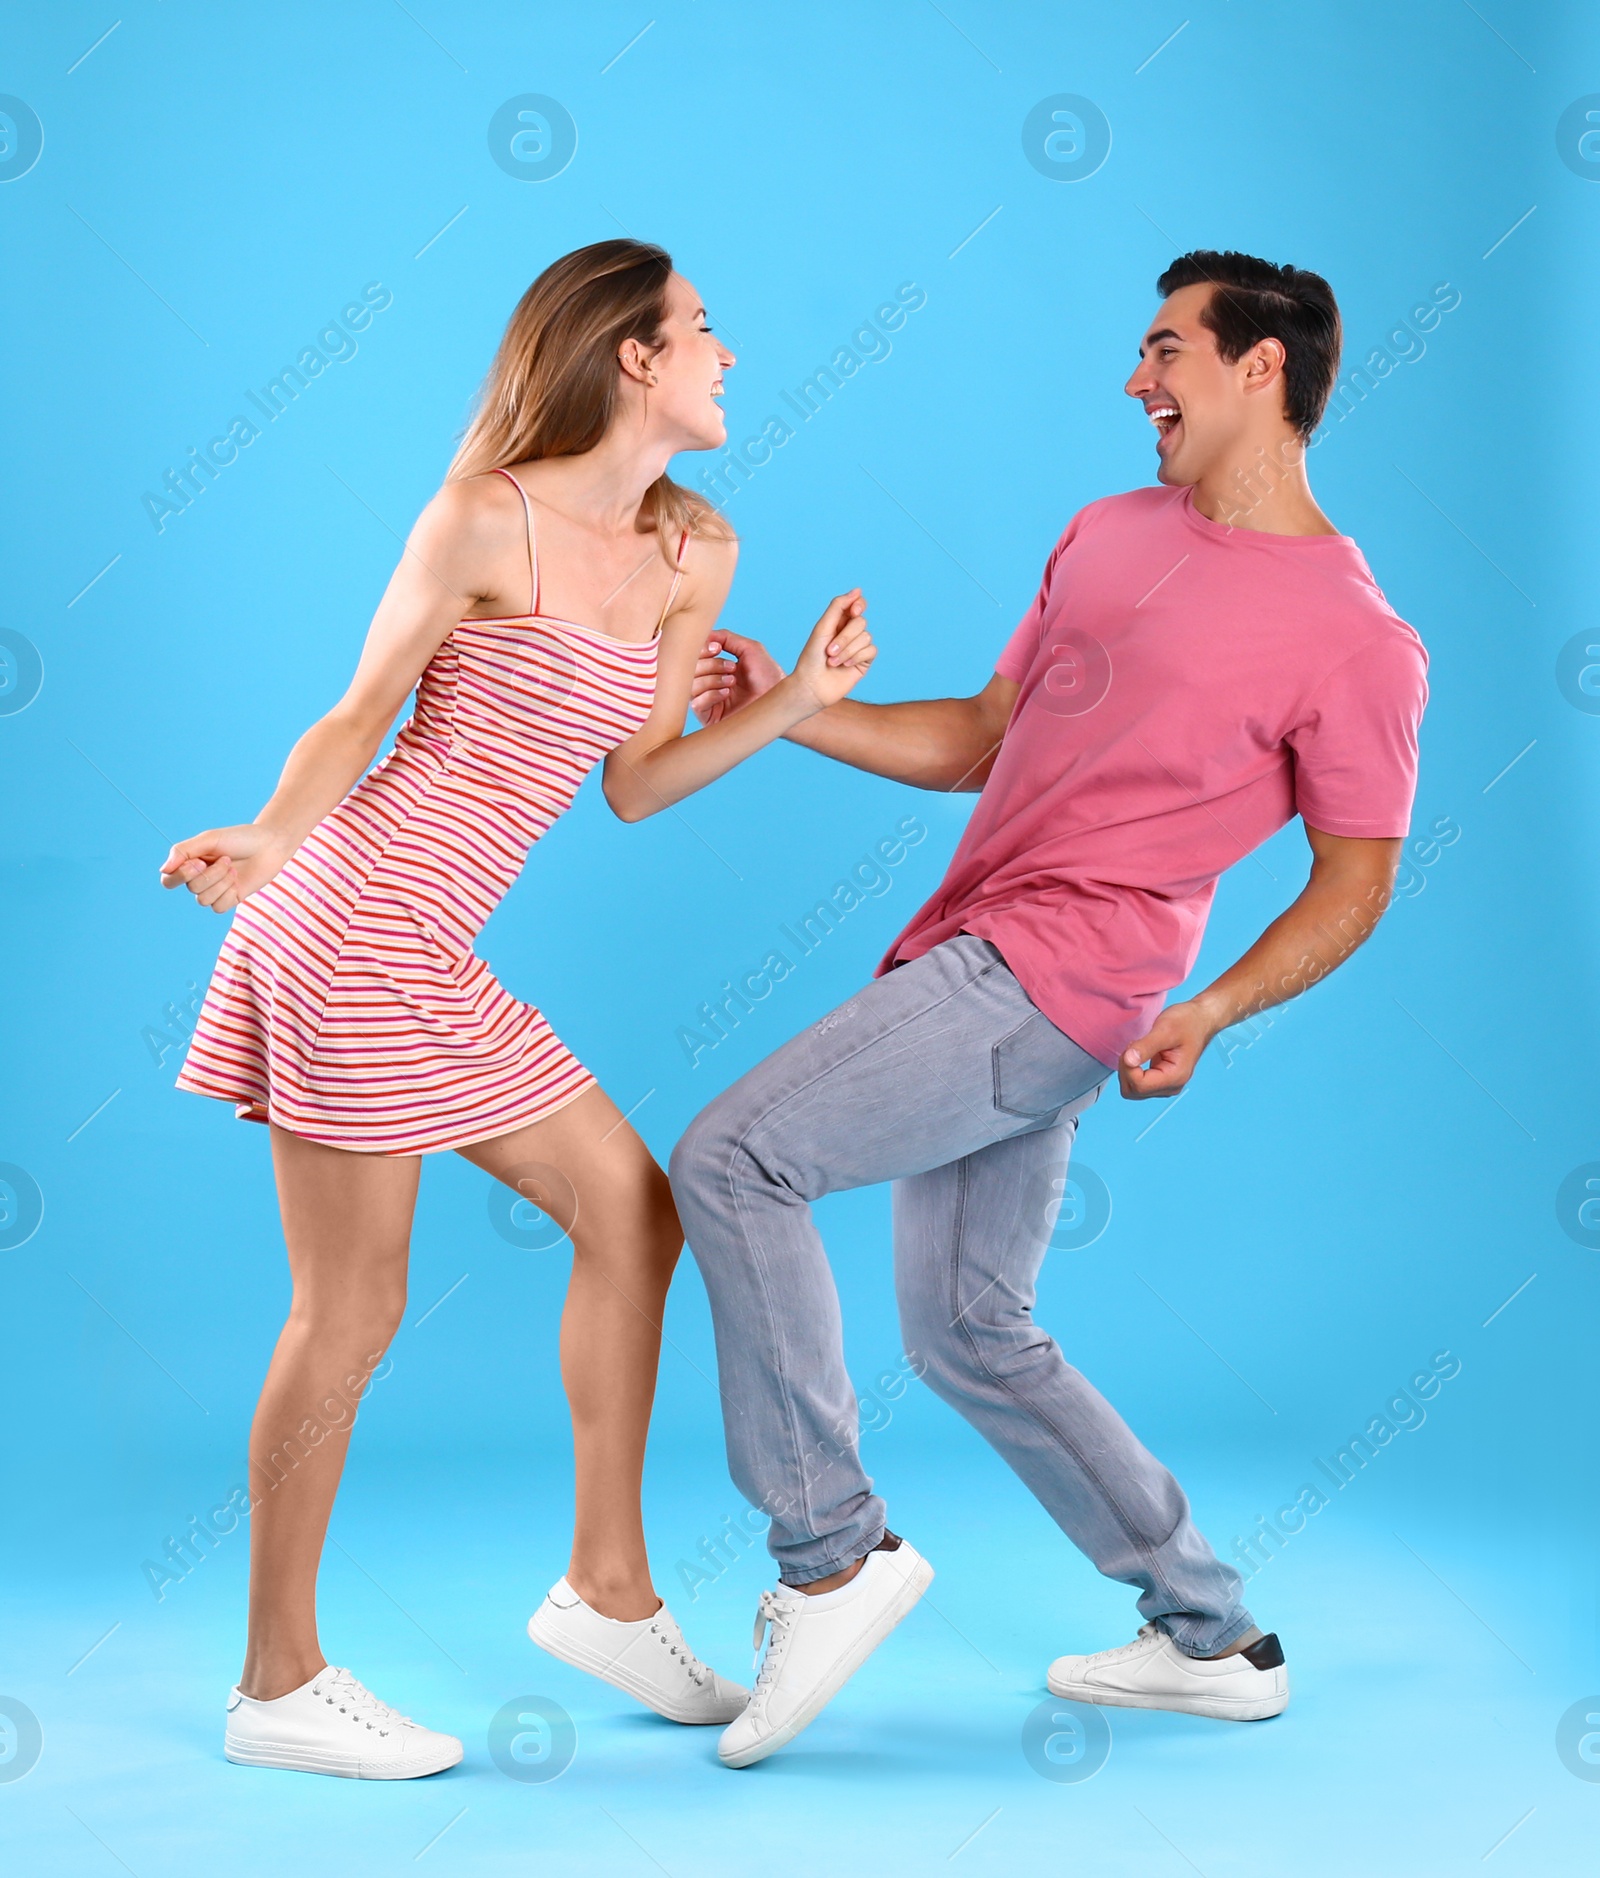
column 1164, row 416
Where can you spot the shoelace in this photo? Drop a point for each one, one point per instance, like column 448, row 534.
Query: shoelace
column 338, row 1688
column 672, row 1637
column 779, row 1613
column 1123, row 1649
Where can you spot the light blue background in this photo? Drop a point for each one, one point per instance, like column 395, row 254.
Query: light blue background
column 1361, row 1187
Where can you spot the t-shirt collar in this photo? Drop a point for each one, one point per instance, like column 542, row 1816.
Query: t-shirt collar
column 1252, row 537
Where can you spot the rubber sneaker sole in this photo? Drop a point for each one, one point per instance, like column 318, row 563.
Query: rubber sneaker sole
column 303, row 1760
column 902, row 1604
column 547, row 1637
column 1216, row 1708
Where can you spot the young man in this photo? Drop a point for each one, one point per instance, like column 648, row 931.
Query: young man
column 1205, row 660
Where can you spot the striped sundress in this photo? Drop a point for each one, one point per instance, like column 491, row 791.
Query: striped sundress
column 348, row 1005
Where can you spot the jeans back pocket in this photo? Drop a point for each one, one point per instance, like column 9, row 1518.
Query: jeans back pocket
column 1039, row 1071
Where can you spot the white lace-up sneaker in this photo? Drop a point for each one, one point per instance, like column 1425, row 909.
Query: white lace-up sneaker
column 1152, row 1672
column 648, row 1659
column 332, row 1725
column 815, row 1645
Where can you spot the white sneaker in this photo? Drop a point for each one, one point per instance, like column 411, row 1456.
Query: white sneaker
column 1152, row 1672
column 649, row 1658
column 332, row 1725
column 815, row 1645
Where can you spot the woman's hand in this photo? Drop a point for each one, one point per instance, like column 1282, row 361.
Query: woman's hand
column 223, row 866
column 839, row 652
column 721, row 685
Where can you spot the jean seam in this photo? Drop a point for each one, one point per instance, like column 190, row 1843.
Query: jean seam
column 1231, row 1635
column 837, row 1565
column 811, row 1082
column 785, row 1393
column 739, row 1148
column 1029, row 1115
column 1045, row 1114
column 1057, row 1435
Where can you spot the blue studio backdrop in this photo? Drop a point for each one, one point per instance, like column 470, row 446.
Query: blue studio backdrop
column 281, row 243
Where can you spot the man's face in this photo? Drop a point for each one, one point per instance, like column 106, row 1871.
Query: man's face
column 1199, row 403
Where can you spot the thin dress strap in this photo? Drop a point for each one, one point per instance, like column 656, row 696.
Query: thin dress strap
column 677, row 580
column 533, row 552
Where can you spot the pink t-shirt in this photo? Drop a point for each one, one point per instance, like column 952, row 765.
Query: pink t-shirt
column 1186, row 688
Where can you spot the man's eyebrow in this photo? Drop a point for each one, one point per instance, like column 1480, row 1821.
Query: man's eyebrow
column 1165, row 332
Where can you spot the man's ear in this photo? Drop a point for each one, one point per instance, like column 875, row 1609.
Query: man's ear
column 1263, row 364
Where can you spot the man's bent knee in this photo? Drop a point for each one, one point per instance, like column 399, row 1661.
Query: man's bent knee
column 957, row 1348
column 702, row 1149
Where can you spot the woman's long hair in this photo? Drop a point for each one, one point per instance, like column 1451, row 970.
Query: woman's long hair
column 552, row 389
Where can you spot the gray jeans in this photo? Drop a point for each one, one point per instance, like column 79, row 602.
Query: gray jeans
column 945, row 1078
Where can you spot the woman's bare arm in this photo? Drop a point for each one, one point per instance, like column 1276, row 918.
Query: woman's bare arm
column 930, row 743
column 441, row 574
column 660, row 765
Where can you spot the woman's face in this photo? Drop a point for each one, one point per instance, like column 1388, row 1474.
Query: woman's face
column 688, row 366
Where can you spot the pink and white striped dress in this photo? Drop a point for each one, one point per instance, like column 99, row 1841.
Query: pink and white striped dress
column 348, row 1005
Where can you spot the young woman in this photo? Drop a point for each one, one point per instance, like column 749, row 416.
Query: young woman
column 548, row 610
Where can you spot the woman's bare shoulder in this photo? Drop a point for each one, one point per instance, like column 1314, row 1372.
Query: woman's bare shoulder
column 488, row 495
column 707, row 523
column 478, row 512
column 708, row 564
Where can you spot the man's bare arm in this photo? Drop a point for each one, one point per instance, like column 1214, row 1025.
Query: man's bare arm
column 933, row 743
column 1348, row 892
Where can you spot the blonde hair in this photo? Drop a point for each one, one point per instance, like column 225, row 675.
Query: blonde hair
column 552, row 389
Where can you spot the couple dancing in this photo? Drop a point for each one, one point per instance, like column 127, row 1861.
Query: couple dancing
column 1205, row 659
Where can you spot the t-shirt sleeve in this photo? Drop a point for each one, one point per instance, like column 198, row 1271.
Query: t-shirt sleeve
column 1355, row 746
column 1013, row 663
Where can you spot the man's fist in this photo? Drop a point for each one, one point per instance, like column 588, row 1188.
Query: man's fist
column 1170, row 1048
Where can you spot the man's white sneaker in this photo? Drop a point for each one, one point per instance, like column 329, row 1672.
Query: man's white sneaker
column 1152, row 1672
column 815, row 1645
column 649, row 1659
column 332, row 1725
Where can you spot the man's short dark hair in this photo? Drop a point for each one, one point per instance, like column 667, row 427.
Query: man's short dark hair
column 1257, row 300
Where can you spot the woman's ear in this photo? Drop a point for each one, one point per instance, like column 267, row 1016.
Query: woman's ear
column 635, row 362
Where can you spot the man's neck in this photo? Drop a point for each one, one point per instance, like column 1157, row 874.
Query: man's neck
column 1263, row 487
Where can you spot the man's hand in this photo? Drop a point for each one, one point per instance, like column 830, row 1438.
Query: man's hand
column 1351, row 884
column 1171, row 1047
column 722, row 685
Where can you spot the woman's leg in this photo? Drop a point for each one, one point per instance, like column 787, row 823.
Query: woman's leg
column 588, row 1169
column 347, row 1224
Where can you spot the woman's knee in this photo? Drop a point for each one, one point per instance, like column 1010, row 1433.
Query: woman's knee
column 661, row 1232
column 358, row 1321
column 629, row 1229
